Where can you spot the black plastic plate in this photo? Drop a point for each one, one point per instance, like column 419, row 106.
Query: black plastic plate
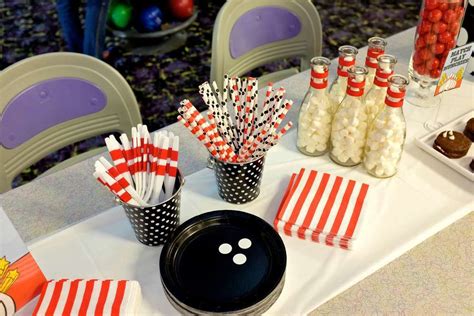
column 223, row 261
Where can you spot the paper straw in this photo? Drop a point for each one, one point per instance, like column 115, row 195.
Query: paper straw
column 269, row 129
column 248, row 112
column 225, row 89
column 254, row 106
column 199, row 124
column 265, row 112
column 223, row 147
column 236, row 136
column 236, row 103
column 279, row 117
column 276, row 138
column 227, row 125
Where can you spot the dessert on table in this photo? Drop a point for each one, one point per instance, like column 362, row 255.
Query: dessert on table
column 452, row 144
column 469, row 129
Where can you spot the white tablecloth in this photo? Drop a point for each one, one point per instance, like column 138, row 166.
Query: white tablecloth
column 423, row 198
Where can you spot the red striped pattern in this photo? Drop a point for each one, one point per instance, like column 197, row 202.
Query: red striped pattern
column 89, row 297
column 323, row 208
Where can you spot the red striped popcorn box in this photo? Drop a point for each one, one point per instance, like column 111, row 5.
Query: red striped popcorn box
column 323, row 208
column 89, row 297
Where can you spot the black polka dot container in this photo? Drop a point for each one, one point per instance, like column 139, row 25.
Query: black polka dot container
column 239, row 183
column 154, row 224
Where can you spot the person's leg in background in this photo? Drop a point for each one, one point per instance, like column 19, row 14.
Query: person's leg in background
column 94, row 34
column 68, row 13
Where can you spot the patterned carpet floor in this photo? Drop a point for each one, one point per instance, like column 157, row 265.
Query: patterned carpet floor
column 30, row 27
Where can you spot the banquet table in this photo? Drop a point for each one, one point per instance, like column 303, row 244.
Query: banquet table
column 435, row 276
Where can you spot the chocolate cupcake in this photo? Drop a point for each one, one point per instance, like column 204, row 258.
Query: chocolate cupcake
column 469, row 130
column 452, row 144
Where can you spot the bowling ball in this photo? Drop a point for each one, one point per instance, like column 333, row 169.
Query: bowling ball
column 121, row 15
column 181, row 9
column 150, row 19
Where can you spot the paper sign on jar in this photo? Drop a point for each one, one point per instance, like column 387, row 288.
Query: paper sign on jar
column 454, row 68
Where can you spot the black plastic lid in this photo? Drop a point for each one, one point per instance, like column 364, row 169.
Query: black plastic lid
column 223, row 261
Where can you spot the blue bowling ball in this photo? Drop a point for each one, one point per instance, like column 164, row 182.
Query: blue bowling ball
column 150, row 19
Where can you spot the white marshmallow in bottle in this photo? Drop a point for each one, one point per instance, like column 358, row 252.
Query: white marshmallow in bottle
column 376, row 47
column 386, row 135
column 315, row 116
column 374, row 100
column 349, row 126
column 347, row 59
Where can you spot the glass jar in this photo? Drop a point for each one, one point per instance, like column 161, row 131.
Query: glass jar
column 315, row 116
column 376, row 47
column 436, row 34
column 347, row 58
column 374, row 100
column 386, row 135
column 349, row 126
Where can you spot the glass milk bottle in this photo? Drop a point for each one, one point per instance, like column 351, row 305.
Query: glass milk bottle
column 347, row 58
column 376, row 47
column 374, row 100
column 314, row 121
column 349, row 126
column 386, row 135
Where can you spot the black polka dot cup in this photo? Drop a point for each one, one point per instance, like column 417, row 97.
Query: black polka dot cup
column 239, row 183
column 154, row 224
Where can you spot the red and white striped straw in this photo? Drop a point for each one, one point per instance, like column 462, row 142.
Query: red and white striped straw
column 248, row 112
column 269, row 129
column 224, row 148
column 276, row 137
column 196, row 131
column 237, row 137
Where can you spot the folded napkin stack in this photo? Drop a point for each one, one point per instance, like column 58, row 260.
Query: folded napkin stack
column 89, row 297
column 323, row 208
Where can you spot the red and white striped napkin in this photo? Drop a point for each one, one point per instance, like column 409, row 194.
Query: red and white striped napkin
column 323, row 208
column 89, row 297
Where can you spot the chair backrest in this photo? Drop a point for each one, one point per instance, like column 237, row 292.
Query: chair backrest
column 50, row 101
column 251, row 33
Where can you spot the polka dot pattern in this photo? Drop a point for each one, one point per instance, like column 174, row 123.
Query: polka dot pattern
column 152, row 225
column 239, row 183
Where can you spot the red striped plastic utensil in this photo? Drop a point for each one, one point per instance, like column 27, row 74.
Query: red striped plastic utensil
column 144, row 169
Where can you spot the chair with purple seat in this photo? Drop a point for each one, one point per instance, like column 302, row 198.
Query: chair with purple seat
column 251, row 33
column 53, row 100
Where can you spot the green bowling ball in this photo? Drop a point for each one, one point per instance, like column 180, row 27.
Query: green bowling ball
column 120, row 14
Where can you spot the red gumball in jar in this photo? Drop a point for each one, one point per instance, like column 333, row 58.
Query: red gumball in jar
column 436, row 34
